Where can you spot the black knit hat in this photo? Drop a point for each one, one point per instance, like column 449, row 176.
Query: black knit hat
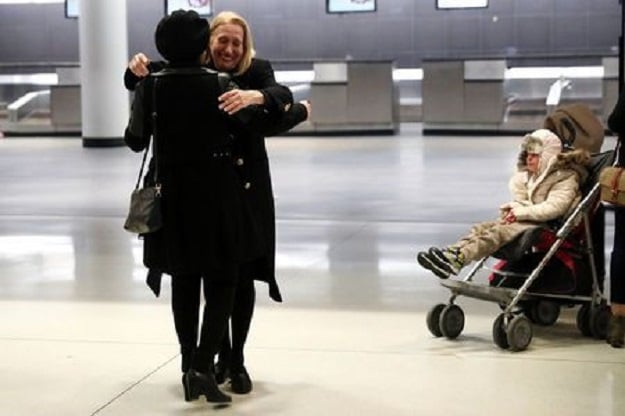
column 182, row 36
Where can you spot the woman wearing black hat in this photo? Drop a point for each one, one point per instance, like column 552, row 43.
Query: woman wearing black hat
column 208, row 229
column 231, row 50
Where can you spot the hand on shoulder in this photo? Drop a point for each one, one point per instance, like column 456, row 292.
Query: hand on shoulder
column 138, row 65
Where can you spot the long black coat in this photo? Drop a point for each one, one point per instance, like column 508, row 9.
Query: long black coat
column 207, row 222
column 251, row 158
column 279, row 114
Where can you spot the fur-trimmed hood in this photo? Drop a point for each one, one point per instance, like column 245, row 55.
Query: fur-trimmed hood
column 554, row 191
column 577, row 160
column 552, row 157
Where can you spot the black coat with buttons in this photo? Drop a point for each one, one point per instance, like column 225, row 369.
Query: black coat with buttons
column 207, row 221
column 278, row 115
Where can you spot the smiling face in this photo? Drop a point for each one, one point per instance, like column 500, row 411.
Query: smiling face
column 227, row 46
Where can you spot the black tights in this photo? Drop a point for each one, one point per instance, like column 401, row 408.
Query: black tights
column 232, row 354
column 617, row 259
column 219, row 291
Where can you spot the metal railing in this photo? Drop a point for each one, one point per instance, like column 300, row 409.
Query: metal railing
column 28, row 104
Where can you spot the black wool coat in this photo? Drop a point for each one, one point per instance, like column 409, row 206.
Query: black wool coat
column 278, row 115
column 253, row 164
column 207, row 221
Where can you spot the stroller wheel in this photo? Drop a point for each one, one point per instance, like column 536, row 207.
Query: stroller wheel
column 599, row 319
column 519, row 333
column 544, row 312
column 583, row 320
column 433, row 318
column 451, row 321
column 499, row 332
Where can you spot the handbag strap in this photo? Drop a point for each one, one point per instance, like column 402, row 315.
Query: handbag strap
column 145, row 154
column 153, row 141
column 157, row 185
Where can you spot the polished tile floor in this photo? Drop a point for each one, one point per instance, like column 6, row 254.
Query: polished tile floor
column 81, row 335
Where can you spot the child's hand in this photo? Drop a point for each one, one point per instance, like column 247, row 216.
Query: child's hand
column 510, row 217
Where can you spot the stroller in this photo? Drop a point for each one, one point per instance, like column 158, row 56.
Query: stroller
column 544, row 268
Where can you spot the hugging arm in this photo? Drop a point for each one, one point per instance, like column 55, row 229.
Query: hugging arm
column 139, row 129
column 131, row 79
column 277, row 97
column 285, row 121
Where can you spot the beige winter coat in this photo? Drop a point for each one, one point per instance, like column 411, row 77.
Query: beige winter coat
column 553, row 192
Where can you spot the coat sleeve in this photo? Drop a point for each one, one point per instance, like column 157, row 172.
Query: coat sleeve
column 131, row 80
column 277, row 97
column 139, row 129
column 258, row 121
column 287, row 120
column 274, row 124
column 558, row 202
column 279, row 114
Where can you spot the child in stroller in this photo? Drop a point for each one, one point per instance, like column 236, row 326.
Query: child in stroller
column 545, row 188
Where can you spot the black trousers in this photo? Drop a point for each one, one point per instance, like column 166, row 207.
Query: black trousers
column 617, row 259
column 231, row 351
column 219, row 291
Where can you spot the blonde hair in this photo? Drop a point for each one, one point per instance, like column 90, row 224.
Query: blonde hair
column 229, row 17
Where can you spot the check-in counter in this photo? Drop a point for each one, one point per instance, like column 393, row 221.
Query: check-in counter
column 328, row 93
column 483, row 98
column 465, row 92
column 495, row 96
column 353, row 97
column 443, row 91
column 65, row 99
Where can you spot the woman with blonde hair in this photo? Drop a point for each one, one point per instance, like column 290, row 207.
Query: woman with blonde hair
column 231, row 50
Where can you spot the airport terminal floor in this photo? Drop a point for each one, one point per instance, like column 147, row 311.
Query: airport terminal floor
column 82, row 335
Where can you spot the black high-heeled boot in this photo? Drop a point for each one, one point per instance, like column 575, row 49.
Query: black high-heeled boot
column 187, row 358
column 222, row 372
column 189, row 396
column 240, row 381
column 197, row 384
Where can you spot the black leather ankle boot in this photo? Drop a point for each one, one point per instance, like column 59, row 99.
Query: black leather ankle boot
column 188, row 395
column 197, row 384
column 187, row 358
column 222, row 372
column 240, row 381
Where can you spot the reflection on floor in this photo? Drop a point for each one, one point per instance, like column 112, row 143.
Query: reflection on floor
column 81, row 335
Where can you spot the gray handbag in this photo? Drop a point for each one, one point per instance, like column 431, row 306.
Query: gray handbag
column 144, row 215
